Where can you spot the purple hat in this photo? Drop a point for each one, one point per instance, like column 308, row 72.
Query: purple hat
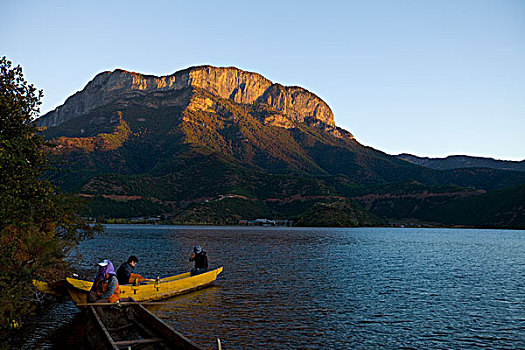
column 105, row 267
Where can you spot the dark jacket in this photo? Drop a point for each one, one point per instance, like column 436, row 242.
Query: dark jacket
column 124, row 272
column 201, row 260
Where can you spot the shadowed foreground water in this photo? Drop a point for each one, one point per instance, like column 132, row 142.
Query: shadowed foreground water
column 291, row 288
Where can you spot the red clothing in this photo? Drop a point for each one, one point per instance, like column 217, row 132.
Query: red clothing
column 136, row 276
column 101, row 287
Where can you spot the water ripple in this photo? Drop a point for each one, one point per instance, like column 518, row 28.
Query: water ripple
column 336, row 288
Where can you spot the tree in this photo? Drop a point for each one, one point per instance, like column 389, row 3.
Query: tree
column 38, row 224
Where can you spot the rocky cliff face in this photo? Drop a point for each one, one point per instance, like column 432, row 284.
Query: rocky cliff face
column 299, row 104
column 229, row 83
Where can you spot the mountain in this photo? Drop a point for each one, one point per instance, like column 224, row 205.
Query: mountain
column 456, row 162
column 228, row 83
column 215, row 145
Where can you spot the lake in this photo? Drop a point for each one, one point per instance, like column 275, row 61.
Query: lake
column 322, row 288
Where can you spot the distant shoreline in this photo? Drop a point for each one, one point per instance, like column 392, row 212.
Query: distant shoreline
column 138, row 224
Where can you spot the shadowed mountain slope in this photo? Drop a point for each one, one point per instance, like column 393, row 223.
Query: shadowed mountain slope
column 456, row 162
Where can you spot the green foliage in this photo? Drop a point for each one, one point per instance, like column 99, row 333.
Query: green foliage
column 455, row 162
column 106, row 208
column 337, row 214
column 37, row 224
column 500, row 208
column 121, row 134
column 26, row 250
column 222, row 212
column 445, row 205
column 407, row 200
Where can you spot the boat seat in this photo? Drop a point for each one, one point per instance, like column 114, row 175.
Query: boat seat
column 126, row 343
column 121, row 327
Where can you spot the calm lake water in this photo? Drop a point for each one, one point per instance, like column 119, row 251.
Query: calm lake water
column 295, row 288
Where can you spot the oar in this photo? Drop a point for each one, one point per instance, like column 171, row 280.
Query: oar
column 131, row 303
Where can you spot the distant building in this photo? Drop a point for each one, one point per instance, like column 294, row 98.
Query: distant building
column 266, row 222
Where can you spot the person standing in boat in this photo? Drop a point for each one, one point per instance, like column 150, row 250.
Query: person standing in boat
column 105, row 288
column 125, row 273
column 201, row 261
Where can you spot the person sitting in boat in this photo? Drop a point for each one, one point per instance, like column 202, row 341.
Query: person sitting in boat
column 201, row 261
column 125, row 273
column 105, row 289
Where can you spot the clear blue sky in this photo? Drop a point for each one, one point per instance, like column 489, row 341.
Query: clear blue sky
column 431, row 78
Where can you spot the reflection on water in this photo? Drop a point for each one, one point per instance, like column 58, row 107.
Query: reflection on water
column 201, row 306
column 59, row 327
column 69, row 336
column 291, row 288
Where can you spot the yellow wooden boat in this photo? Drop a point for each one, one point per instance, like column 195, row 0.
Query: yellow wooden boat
column 55, row 288
column 160, row 289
